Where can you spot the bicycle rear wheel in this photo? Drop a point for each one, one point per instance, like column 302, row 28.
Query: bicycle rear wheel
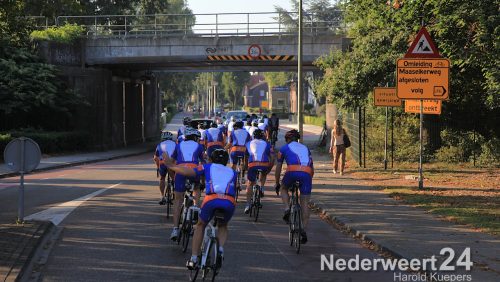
column 186, row 233
column 256, row 203
column 291, row 229
column 169, row 197
column 217, row 260
column 182, row 223
column 193, row 274
column 298, row 228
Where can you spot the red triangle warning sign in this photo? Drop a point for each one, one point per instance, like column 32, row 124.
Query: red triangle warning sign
column 422, row 46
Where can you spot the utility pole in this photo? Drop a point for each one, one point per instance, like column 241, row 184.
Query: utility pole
column 299, row 74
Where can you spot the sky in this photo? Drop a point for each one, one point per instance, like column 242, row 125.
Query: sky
column 236, row 6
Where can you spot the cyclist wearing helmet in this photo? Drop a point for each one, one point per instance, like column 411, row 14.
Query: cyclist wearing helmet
column 219, row 195
column 167, row 146
column 187, row 154
column 254, row 127
column 248, row 125
column 214, row 139
column 299, row 168
column 237, row 141
column 180, row 133
column 261, row 157
column 202, row 130
column 223, row 129
column 263, row 126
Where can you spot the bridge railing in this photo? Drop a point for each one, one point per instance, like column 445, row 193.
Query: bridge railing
column 221, row 24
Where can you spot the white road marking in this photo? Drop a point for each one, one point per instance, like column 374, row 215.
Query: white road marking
column 58, row 213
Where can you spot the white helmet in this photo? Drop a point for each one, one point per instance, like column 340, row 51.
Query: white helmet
column 233, row 118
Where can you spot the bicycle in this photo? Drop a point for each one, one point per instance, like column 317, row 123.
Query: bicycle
column 188, row 216
column 169, row 195
column 210, row 258
column 295, row 222
column 323, row 136
column 239, row 180
column 255, row 204
column 274, row 137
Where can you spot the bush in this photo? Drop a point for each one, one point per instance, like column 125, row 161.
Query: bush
column 490, row 153
column 319, row 121
column 449, row 154
column 63, row 34
column 51, row 142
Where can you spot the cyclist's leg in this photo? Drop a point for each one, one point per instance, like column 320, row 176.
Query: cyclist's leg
column 251, row 176
column 179, row 188
column 305, row 196
column 287, row 181
column 234, row 160
column 163, row 174
column 198, row 238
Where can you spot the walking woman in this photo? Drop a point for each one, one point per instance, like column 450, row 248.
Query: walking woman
column 337, row 146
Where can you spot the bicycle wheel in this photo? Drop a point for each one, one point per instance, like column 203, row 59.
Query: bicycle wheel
column 257, row 202
column 169, row 198
column 291, row 229
column 237, row 187
column 217, row 260
column 193, row 274
column 210, row 259
column 182, row 223
column 186, row 233
column 298, row 228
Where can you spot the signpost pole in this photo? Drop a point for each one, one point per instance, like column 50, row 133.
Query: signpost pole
column 392, row 137
column 420, row 177
column 299, row 74
column 385, row 139
column 20, row 217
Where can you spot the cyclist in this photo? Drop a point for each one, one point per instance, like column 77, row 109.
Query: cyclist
column 167, row 145
column 248, row 125
column 187, row 154
column 230, row 126
column 214, row 139
column 299, row 168
column 222, row 128
column 180, row 133
column 219, row 195
column 237, row 141
column 263, row 126
column 202, row 130
column 254, row 127
column 274, row 125
column 261, row 157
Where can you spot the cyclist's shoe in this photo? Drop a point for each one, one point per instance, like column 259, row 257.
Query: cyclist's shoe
column 170, row 201
column 192, row 263
column 277, row 189
column 286, row 216
column 261, row 192
column 175, row 234
column 247, row 209
column 162, row 201
column 303, row 237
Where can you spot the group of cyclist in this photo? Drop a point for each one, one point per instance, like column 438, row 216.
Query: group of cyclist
column 202, row 154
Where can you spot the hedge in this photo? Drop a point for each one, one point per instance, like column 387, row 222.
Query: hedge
column 319, row 121
column 49, row 141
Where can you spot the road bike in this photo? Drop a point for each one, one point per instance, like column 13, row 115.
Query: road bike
column 274, row 137
column 240, row 175
column 255, row 201
column 295, row 221
column 323, row 136
column 169, row 195
column 188, row 216
column 210, row 260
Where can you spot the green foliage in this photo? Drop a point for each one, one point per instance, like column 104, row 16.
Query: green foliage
column 232, row 86
column 51, row 142
column 490, row 153
column 67, row 33
column 308, row 108
column 314, row 120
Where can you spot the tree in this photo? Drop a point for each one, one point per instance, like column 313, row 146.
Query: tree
column 466, row 32
column 232, row 86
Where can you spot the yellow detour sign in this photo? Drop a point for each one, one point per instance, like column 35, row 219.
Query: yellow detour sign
column 423, row 79
column 264, row 104
column 386, row 97
column 431, row 107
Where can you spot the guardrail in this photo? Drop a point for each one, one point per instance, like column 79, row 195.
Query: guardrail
column 221, row 24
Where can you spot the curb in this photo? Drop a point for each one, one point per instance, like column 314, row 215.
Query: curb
column 342, row 225
column 11, row 174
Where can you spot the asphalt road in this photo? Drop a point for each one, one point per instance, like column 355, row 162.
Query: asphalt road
column 120, row 233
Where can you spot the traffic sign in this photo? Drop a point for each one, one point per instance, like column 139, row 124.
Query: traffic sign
column 431, row 107
column 22, row 155
column 254, row 51
column 423, row 79
column 422, row 46
column 386, row 97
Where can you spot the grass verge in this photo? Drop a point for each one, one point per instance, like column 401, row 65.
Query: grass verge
column 479, row 208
